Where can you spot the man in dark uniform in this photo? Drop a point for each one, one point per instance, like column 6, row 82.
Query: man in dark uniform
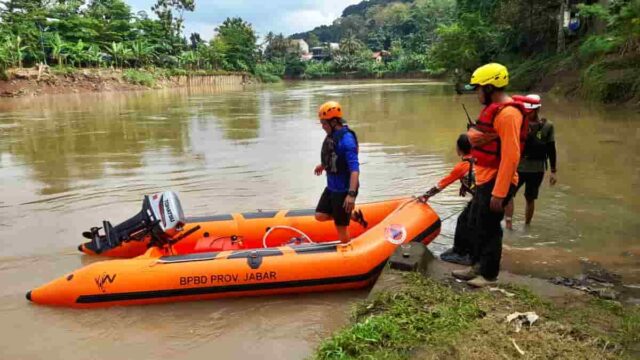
column 539, row 147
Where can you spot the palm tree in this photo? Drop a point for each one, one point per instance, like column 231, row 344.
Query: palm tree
column 268, row 38
column 350, row 44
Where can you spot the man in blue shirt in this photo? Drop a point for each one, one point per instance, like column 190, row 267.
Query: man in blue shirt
column 339, row 159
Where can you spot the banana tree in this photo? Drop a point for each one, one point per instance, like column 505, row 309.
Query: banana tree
column 94, row 55
column 19, row 50
column 15, row 50
column 188, row 59
column 5, row 56
column 125, row 54
column 119, row 52
column 142, row 52
column 76, row 53
column 58, row 47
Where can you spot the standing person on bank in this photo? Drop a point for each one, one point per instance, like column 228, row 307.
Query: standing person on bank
column 496, row 139
column 339, row 159
column 539, row 147
column 462, row 248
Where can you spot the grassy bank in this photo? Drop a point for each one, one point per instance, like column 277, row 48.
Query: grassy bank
column 153, row 76
column 57, row 80
column 428, row 319
column 612, row 78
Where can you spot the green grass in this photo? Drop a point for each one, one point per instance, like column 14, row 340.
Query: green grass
column 270, row 72
column 601, row 73
column 63, row 70
column 612, row 79
column 431, row 320
column 627, row 331
column 393, row 324
column 138, row 77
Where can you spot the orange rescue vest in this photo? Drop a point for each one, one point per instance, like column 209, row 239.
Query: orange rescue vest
column 488, row 154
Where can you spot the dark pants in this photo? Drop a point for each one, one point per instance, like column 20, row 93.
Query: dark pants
column 332, row 203
column 488, row 231
column 531, row 182
column 463, row 239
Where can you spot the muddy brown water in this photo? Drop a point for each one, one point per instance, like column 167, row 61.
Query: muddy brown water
column 68, row 162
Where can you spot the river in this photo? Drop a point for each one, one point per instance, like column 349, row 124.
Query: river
column 69, row 161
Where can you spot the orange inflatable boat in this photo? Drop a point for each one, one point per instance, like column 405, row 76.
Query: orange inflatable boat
column 171, row 272
column 162, row 222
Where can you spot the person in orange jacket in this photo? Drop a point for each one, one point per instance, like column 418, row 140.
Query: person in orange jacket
column 460, row 253
column 496, row 140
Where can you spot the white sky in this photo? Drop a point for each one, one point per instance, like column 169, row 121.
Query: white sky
column 279, row 16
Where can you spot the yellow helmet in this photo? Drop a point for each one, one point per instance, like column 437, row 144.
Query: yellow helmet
column 330, row 110
column 490, row 74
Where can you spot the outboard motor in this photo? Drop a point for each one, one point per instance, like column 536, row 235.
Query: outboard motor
column 161, row 218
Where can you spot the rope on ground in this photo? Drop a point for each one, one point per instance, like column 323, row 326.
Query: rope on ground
column 448, row 203
column 451, row 215
column 440, row 243
column 455, row 213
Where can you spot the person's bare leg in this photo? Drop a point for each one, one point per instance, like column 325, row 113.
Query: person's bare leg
column 508, row 215
column 531, row 207
column 323, row 217
column 343, row 234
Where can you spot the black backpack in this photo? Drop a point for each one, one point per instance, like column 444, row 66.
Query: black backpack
column 535, row 147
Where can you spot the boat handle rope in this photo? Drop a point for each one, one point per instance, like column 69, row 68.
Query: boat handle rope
column 264, row 238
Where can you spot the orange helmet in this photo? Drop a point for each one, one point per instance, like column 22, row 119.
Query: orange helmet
column 330, row 110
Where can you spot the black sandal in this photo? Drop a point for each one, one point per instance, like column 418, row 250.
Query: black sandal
column 358, row 217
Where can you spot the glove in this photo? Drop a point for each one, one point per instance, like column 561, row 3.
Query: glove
column 434, row 190
column 424, row 198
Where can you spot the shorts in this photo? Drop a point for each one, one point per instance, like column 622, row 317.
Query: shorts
column 532, row 182
column 331, row 203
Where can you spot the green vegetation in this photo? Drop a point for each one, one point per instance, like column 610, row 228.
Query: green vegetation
column 403, row 30
column 597, row 59
column 456, row 36
column 139, row 77
column 429, row 320
column 393, row 324
column 99, row 33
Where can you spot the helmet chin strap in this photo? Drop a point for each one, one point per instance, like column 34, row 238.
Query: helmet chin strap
column 488, row 91
column 333, row 123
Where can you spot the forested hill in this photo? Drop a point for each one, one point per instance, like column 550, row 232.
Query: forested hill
column 352, row 17
column 592, row 45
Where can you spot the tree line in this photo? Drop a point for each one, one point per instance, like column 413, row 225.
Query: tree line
column 93, row 33
column 431, row 37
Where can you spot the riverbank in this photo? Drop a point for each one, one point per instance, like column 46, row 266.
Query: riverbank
column 409, row 315
column 611, row 79
column 566, row 82
column 46, row 81
column 355, row 75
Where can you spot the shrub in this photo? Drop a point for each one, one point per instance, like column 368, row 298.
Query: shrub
column 139, row 77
